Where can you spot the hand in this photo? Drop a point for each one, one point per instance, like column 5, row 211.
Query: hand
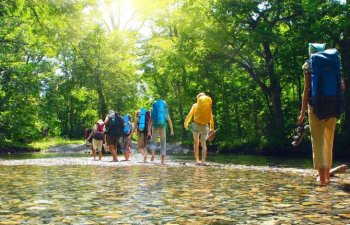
column 185, row 126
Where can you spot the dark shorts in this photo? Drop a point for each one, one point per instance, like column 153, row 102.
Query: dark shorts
column 112, row 140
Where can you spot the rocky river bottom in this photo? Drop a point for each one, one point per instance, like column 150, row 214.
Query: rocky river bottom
column 73, row 188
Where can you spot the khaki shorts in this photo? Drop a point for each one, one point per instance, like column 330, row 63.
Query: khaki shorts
column 112, row 140
column 97, row 145
column 141, row 140
column 200, row 131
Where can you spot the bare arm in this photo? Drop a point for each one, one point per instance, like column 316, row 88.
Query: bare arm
column 171, row 126
column 106, row 120
column 307, row 84
column 211, row 123
column 92, row 133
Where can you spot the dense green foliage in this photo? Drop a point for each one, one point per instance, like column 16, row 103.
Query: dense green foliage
column 64, row 64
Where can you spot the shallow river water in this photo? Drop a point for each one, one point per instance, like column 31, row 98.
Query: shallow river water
column 78, row 190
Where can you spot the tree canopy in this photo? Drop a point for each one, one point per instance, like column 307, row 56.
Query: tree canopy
column 64, row 64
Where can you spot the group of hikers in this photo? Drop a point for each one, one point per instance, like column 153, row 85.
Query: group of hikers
column 322, row 98
column 150, row 125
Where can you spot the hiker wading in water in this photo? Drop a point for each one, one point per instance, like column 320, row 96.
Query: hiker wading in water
column 203, row 121
column 322, row 96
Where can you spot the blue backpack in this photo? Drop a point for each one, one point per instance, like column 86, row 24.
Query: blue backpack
column 127, row 125
column 159, row 113
column 325, row 93
column 142, row 120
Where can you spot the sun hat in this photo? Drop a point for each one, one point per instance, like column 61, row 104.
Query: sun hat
column 316, row 47
column 111, row 113
column 200, row 95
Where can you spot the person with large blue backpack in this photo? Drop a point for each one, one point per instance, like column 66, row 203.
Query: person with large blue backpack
column 159, row 119
column 114, row 130
column 125, row 139
column 322, row 96
column 142, row 126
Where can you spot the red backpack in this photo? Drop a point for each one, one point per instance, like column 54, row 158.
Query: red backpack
column 98, row 135
column 100, row 127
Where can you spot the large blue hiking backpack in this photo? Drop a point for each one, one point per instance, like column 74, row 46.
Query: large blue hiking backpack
column 159, row 113
column 142, row 120
column 116, row 125
column 325, row 93
column 127, row 125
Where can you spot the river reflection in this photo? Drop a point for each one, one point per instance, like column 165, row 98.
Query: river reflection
column 157, row 194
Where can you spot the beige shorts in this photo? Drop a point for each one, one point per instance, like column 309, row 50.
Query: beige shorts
column 97, row 145
column 200, row 131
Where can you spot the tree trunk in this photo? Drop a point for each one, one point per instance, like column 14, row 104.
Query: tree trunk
column 345, row 62
column 101, row 98
column 275, row 94
column 227, row 131
column 181, row 110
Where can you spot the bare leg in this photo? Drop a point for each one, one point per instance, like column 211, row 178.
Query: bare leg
column 196, row 148
column 153, row 155
column 162, row 158
column 321, row 175
column 327, row 176
column 94, row 153
column 143, row 151
column 113, row 150
column 99, row 155
column 127, row 156
column 204, row 151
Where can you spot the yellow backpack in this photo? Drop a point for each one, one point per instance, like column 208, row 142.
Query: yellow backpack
column 203, row 111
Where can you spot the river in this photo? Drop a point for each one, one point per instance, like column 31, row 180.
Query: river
column 72, row 188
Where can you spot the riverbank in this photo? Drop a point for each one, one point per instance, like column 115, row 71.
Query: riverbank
column 8, row 147
column 11, row 149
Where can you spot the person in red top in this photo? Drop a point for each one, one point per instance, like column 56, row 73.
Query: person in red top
column 97, row 136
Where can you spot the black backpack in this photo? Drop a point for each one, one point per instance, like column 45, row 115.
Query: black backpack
column 116, row 125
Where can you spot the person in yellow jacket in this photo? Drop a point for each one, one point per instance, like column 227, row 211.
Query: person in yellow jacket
column 203, row 121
